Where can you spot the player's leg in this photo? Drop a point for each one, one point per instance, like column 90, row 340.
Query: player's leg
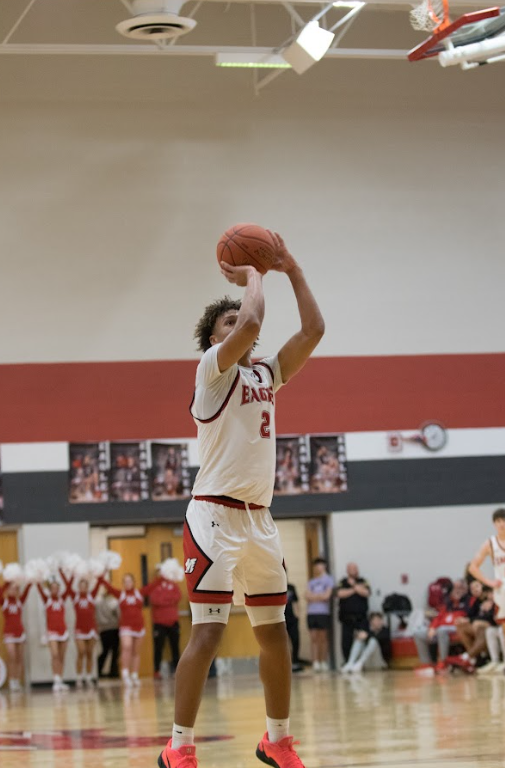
column 126, row 658
column 193, row 669
column 275, row 668
column 10, row 650
column 135, row 659
column 90, row 648
column 81, row 657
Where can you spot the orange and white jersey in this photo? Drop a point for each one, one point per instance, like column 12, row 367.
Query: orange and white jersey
column 498, row 556
column 235, row 415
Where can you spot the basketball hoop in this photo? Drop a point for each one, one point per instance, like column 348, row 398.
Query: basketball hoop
column 430, row 15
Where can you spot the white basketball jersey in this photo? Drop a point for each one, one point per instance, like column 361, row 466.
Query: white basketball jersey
column 498, row 555
column 235, row 415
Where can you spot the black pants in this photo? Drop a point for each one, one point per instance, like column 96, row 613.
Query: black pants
column 294, row 636
column 161, row 633
column 349, row 626
column 110, row 644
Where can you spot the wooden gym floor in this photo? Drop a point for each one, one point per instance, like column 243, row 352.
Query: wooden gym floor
column 377, row 719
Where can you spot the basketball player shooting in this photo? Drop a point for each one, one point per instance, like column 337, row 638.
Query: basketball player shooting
column 494, row 548
column 232, row 548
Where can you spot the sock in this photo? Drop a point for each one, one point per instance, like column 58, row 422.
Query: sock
column 277, row 729
column 125, row 673
column 57, row 679
column 182, row 736
column 135, row 675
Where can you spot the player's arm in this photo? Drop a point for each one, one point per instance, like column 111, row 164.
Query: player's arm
column 475, row 566
column 249, row 319
column 295, row 353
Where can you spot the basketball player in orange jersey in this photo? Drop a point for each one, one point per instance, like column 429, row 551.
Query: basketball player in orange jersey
column 232, row 548
column 494, row 548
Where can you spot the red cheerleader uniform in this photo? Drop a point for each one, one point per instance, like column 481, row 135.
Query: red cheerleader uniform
column 85, row 611
column 131, row 602
column 12, row 609
column 55, row 615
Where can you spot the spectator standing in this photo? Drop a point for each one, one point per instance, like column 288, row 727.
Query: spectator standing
column 373, row 645
column 164, row 600
column 353, row 592
column 107, row 619
column 318, row 595
column 291, row 614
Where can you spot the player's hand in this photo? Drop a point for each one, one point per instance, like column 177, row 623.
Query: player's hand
column 285, row 261
column 237, row 275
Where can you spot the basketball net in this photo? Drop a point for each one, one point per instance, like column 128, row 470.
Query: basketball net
column 430, row 15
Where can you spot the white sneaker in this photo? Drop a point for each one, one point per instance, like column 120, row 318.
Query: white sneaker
column 346, row 668
column 127, row 681
column 316, row 666
column 135, row 681
column 59, row 686
column 357, row 667
column 488, row 668
column 325, row 667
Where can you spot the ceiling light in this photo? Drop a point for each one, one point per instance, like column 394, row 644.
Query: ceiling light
column 252, row 60
column 310, row 46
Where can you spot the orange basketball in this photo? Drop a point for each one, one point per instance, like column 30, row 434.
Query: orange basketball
column 247, row 244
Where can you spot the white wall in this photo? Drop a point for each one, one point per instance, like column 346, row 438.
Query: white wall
column 42, row 540
column 423, row 543
column 386, row 180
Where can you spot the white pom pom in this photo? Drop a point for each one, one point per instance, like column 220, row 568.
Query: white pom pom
column 172, row 570
column 37, row 570
column 13, row 573
column 111, row 560
column 53, row 564
column 95, row 567
column 81, row 569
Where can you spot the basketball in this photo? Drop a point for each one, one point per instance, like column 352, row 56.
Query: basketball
column 247, row 244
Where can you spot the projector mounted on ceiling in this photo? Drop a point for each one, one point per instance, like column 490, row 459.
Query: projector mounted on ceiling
column 156, row 20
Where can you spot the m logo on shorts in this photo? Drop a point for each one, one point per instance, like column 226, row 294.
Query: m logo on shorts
column 190, row 564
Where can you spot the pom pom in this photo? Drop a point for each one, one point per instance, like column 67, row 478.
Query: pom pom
column 13, row 573
column 73, row 565
column 81, row 569
column 95, row 567
column 111, row 561
column 37, row 570
column 53, row 563
column 171, row 569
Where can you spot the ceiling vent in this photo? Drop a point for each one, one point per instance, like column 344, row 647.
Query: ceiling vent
column 156, row 20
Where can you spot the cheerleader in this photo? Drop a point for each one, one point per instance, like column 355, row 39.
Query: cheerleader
column 85, row 627
column 14, row 635
column 57, row 632
column 131, row 624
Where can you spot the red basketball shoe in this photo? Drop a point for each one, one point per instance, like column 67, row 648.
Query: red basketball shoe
column 279, row 754
column 184, row 757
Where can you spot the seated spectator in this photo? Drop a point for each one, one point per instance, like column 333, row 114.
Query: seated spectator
column 372, row 646
column 471, row 632
column 442, row 629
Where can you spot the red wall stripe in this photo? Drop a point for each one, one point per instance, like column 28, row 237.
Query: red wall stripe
column 130, row 400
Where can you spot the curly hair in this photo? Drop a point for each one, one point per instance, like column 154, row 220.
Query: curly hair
column 206, row 324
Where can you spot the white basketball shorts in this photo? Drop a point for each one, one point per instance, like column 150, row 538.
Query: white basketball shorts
column 233, row 555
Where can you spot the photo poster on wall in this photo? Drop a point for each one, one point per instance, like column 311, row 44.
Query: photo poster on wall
column 170, row 474
column 292, row 465
column 128, row 476
column 89, row 473
column 328, row 464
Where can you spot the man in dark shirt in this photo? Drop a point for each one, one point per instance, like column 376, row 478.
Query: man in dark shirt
column 292, row 627
column 353, row 592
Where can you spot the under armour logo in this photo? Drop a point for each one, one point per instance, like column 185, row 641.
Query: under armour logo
column 190, row 564
column 213, row 524
column 214, row 610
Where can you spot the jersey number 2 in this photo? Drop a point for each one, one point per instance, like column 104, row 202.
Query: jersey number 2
column 265, row 424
